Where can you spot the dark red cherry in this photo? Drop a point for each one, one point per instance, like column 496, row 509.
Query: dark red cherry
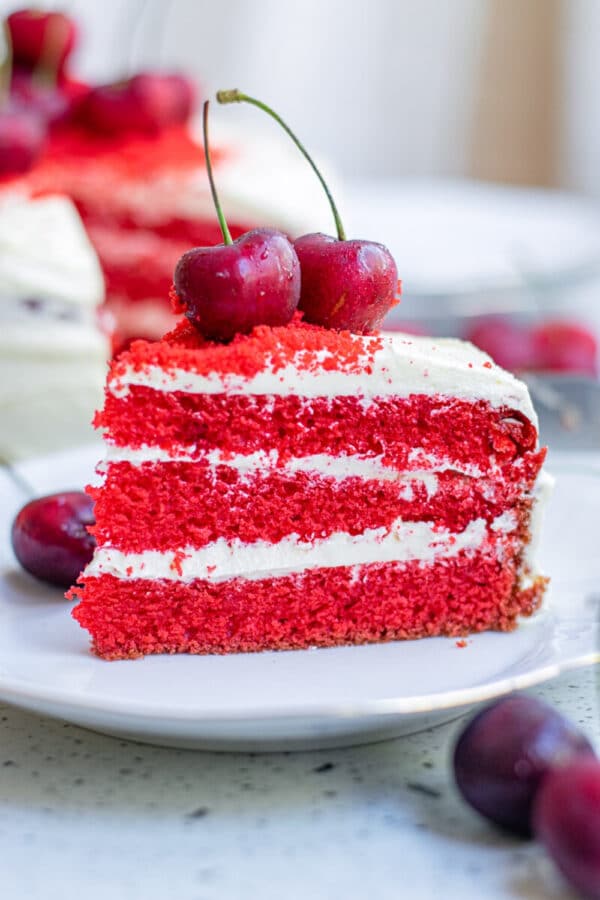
column 563, row 346
column 346, row 284
column 566, row 819
column 231, row 288
column 510, row 345
column 503, row 754
column 50, row 537
column 146, row 103
column 22, row 138
column 41, row 39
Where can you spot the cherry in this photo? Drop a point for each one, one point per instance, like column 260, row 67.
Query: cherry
column 22, row 138
column 146, row 103
column 345, row 284
column 41, row 39
column 50, row 537
column 231, row 288
column 563, row 346
column 566, row 819
column 510, row 345
column 505, row 751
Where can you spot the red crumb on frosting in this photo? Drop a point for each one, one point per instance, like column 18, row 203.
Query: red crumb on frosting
column 305, row 346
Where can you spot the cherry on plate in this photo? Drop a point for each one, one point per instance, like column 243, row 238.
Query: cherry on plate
column 566, row 819
column 504, row 753
column 50, row 537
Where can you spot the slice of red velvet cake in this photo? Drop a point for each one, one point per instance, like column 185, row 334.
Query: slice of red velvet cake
column 304, row 487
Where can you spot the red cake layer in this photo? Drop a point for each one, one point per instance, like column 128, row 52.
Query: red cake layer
column 463, row 433
column 322, row 607
column 177, row 504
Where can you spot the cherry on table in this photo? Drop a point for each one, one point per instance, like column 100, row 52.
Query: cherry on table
column 41, row 39
column 50, row 537
column 566, row 819
column 346, row 284
column 504, row 753
column 22, row 138
column 231, row 288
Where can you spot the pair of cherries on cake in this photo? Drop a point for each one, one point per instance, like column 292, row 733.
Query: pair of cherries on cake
column 262, row 278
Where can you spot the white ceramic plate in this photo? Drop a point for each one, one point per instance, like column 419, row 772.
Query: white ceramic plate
column 314, row 698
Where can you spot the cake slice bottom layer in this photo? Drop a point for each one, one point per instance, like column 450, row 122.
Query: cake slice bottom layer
column 322, row 607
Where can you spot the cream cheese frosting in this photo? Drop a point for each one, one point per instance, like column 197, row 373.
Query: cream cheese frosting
column 400, row 365
column 403, row 542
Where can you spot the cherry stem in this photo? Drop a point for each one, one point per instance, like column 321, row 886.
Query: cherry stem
column 6, row 65
column 224, row 229
column 235, row 96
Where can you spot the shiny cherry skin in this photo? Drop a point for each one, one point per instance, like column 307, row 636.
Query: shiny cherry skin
column 146, row 103
column 504, row 753
column 39, row 37
column 563, row 346
column 22, row 138
column 50, row 537
column 231, row 288
column 346, row 285
column 510, row 345
column 566, row 819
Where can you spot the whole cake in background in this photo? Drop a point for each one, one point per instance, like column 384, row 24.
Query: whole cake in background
column 130, row 157
column 53, row 350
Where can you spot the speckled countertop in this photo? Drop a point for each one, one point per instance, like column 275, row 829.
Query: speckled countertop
column 86, row 816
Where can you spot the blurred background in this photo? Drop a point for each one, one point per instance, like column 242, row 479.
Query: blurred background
column 465, row 135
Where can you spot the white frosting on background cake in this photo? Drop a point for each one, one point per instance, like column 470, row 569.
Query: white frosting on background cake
column 52, row 352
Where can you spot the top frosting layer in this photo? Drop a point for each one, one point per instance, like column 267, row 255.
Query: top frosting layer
column 309, row 361
column 45, row 253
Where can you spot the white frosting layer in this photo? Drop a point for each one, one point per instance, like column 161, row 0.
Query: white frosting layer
column 404, row 365
column 320, row 463
column 404, row 542
column 45, row 253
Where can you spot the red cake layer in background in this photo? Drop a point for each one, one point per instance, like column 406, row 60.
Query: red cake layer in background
column 268, row 504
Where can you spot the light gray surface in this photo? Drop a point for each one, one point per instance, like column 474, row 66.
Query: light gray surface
column 87, row 816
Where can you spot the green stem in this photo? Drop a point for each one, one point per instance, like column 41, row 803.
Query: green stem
column 5, row 66
column 224, row 229
column 235, row 96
